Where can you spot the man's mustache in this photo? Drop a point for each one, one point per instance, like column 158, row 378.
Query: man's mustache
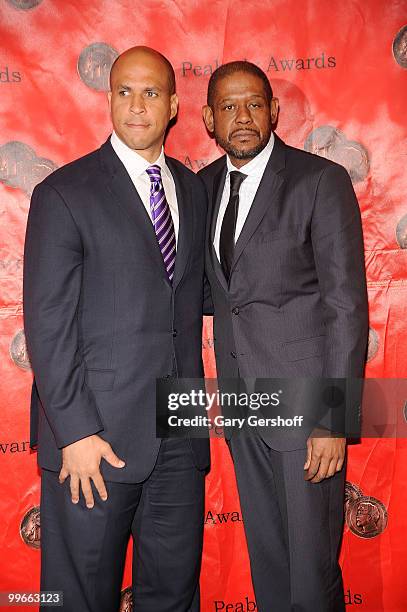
column 240, row 130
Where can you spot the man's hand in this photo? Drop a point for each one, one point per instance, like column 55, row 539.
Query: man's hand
column 325, row 457
column 81, row 461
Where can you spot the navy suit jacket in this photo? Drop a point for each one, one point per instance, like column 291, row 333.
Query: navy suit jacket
column 102, row 321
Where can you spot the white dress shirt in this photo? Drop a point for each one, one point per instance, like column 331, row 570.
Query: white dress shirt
column 254, row 170
column 136, row 167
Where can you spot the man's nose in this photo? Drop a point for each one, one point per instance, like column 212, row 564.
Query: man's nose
column 137, row 104
column 243, row 115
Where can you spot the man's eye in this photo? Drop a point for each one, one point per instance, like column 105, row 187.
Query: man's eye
column 255, row 105
column 151, row 94
column 123, row 92
column 228, row 107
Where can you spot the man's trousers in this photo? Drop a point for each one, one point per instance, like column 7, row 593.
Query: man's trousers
column 293, row 528
column 83, row 550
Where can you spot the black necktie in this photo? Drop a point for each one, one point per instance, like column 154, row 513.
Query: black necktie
column 227, row 233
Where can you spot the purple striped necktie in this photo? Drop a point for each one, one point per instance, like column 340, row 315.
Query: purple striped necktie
column 162, row 220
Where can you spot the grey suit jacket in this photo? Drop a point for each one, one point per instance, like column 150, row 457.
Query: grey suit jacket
column 296, row 303
column 101, row 319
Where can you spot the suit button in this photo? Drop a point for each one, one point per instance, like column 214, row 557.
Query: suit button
column 235, row 310
column 233, row 354
column 174, row 333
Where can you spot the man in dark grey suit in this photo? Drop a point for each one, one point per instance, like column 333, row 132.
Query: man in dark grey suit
column 113, row 289
column 286, row 271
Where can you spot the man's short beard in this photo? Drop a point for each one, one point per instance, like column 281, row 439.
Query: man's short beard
column 245, row 154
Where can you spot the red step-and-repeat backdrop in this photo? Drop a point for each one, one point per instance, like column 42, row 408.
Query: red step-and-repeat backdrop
column 339, row 69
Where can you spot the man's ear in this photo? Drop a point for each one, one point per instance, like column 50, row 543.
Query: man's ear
column 207, row 115
column 109, row 99
column 173, row 105
column 274, row 109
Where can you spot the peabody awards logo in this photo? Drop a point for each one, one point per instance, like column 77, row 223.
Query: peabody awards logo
column 30, row 528
column 400, row 47
column 248, row 605
column 18, row 351
column 8, row 75
column 366, row 516
column 372, row 344
column 21, row 168
column 331, row 143
column 401, row 232
column 221, row 518
column 24, row 4
column 126, row 600
column 94, row 65
column 301, row 63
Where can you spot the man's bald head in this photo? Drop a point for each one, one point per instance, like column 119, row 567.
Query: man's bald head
column 142, row 53
column 142, row 100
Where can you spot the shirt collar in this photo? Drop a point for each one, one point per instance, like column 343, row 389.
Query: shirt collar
column 134, row 163
column 256, row 166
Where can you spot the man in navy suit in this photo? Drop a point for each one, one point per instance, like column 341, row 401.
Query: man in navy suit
column 286, row 271
column 113, row 279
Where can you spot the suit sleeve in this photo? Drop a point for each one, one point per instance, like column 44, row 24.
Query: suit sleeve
column 53, row 261
column 337, row 241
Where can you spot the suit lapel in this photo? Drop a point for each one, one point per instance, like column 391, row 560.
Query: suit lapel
column 125, row 195
column 218, row 185
column 268, row 194
column 186, row 222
